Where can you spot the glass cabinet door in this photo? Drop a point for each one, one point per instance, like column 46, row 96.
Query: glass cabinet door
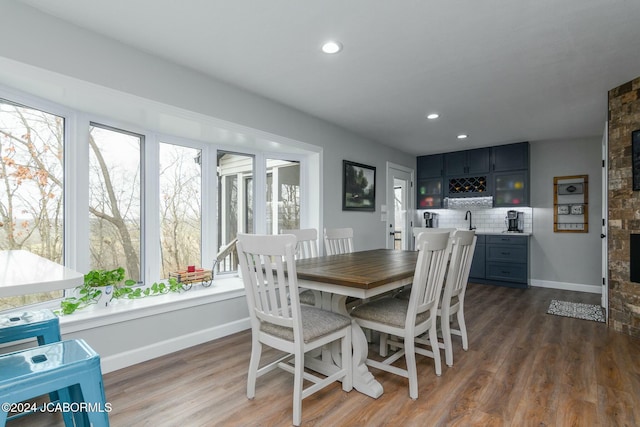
column 429, row 193
column 511, row 188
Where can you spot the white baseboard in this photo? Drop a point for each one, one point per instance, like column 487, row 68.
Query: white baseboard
column 142, row 354
column 592, row 289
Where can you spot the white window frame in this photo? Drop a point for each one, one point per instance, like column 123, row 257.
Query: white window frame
column 76, row 202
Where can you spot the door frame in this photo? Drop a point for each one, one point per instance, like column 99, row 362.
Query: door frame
column 394, row 171
column 604, row 230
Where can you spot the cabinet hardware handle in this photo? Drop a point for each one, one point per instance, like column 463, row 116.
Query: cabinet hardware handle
column 505, row 253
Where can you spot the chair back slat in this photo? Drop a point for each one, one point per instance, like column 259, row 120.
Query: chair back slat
column 434, row 250
column 460, row 266
column 338, row 240
column 269, row 274
column 307, row 246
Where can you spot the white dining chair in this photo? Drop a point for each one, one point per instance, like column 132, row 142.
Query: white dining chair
column 404, row 293
column 418, row 230
column 338, row 241
column 464, row 244
column 278, row 320
column 307, row 247
column 411, row 318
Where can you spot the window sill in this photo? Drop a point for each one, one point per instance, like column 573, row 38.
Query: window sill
column 126, row 310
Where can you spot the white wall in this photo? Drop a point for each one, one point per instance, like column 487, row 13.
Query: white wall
column 48, row 58
column 569, row 258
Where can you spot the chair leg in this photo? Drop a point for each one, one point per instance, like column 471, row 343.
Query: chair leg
column 412, row 372
column 463, row 328
column 383, row 344
column 445, row 325
column 54, row 396
column 69, row 395
column 435, row 348
column 93, row 392
column 297, row 387
column 256, row 351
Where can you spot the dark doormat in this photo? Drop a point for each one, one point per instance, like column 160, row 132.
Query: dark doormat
column 577, row 310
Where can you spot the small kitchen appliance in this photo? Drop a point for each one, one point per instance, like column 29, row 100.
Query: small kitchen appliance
column 430, row 219
column 515, row 221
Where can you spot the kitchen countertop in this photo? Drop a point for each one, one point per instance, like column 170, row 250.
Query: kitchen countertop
column 502, row 233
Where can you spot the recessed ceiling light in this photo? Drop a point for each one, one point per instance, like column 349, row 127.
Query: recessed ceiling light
column 332, row 47
column 462, row 136
column 433, row 116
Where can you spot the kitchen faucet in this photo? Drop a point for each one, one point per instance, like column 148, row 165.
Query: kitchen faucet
column 468, row 216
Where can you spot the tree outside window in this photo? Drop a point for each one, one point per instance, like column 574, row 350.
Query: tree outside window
column 180, row 207
column 115, row 200
column 31, row 187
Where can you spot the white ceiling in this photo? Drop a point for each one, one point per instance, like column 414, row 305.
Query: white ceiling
column 499, row 70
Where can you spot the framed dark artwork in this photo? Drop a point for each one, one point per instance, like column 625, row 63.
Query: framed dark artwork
column 358, row 187
column 635, row 158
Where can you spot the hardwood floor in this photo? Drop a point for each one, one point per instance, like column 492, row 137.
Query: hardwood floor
column 524, row 367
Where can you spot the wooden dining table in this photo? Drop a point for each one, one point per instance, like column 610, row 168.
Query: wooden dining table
column 363, row 274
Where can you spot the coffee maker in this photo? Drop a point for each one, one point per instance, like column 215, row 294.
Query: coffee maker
column 430, row 219
column 515, row 221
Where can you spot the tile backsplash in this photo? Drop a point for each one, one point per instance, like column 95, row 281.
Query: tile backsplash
column 485, row 220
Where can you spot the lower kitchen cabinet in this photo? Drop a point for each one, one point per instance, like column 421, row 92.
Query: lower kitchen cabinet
column 502, row 260
column 478, row 262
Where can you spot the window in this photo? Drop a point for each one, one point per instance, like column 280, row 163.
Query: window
column 138, row 200
column 283, row 186
column 31, row 187
column 115, row 200
column 235, row 204
column 180, row 207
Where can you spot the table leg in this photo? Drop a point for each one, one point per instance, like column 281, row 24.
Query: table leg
column 363, row 380
column 330, row 359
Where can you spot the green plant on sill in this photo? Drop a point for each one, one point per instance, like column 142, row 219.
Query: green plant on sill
column 96, row 280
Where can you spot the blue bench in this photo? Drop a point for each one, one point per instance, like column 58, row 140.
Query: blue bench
column 40, row 324
column 71, row 368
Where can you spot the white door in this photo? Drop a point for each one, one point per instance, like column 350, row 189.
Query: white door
column 399, row 206
column 604, row 231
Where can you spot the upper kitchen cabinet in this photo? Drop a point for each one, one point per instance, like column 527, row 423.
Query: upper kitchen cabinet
column 511, row 157
column 429, row 187
column 511, row 175
column 511, row 188
column 501, row 171
column 430, row 166
column 468, row 162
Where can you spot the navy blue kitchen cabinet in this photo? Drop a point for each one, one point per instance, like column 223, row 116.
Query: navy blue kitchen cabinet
column 467, row 162
column 510, row 157
column 506, row 261
column 429, row 188
column 510, row 175
column 430, row 166
column 501, row 171
column 478, row 262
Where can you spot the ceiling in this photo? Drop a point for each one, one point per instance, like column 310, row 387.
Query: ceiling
column 500, row 71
